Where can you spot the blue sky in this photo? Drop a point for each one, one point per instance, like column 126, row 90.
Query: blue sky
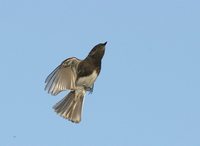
column 147, row 94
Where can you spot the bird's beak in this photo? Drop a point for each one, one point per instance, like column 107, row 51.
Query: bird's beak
column 104, row 43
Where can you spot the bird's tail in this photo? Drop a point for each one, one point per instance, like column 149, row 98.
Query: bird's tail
column 70, row 107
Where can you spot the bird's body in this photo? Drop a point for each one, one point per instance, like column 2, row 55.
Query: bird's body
column 79, row 77
column 88, row 81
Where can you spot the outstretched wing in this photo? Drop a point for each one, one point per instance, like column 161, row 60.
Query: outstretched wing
column 63, row 77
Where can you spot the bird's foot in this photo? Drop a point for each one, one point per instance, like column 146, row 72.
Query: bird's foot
column 89, row 89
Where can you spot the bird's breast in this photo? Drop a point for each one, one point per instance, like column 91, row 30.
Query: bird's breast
column 87, row 81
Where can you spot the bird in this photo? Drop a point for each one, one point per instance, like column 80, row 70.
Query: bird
column 78, row 76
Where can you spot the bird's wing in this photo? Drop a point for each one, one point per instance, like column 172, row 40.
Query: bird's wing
column 63, row 77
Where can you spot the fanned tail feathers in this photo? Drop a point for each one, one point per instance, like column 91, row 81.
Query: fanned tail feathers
column 70, row 107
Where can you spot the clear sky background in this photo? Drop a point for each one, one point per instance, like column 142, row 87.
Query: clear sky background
column 148, row 92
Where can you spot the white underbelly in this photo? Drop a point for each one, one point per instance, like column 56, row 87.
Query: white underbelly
column 87, row 81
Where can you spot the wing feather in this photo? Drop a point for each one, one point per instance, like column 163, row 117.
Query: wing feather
column 63, row 77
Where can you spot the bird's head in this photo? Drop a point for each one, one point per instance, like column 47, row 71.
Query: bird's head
column 98, row 51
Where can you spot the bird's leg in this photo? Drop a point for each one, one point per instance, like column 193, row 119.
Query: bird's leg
column 89, row 89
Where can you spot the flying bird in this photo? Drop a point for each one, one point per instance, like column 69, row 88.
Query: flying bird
column 78, row 76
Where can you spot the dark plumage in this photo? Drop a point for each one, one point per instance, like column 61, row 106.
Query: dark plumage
column 79, row 77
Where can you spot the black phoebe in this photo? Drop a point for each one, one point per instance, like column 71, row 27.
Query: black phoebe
column 79, row 77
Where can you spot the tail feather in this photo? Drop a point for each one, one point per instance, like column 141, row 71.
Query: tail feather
column 70, row 107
